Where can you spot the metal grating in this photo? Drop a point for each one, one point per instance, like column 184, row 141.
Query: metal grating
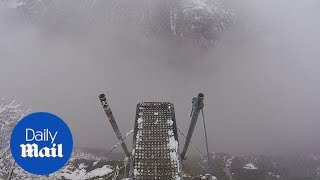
column 155, row 145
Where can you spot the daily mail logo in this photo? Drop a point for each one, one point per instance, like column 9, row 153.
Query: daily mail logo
column 32, row 150
column 41, row 143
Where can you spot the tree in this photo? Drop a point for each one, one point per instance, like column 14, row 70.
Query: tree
column 10, row 113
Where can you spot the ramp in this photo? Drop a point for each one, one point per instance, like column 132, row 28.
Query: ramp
column 155, row 152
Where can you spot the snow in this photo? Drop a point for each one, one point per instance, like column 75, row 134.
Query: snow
column 318, row 171
column 250, row 166
column 131, row 131
column 274, row 175
column 136, row 172
column 10, row 113
column 229, row 161
column 82, row 166
column 84, row 155
column 15, row 4
column 173, row 155
column 207, row 176
column 95, row 163
column 140, row 120
column 83, row 174
column 172, row 144
column 198, row 4
column 314, row 157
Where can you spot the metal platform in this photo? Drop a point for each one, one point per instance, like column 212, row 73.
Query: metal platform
column 155, row 152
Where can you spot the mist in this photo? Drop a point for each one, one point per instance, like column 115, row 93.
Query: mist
column 261, row 86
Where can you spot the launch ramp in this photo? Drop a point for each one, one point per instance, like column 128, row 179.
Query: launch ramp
column 155, row 152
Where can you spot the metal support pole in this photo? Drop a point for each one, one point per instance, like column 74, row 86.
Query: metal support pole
column 207, row 146
column 197, row 105
column 113, row 123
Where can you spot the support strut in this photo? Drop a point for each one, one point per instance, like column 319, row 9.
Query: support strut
column 113, row 123
column 197, row 105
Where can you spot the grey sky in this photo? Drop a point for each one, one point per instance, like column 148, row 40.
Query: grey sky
column 261, row 89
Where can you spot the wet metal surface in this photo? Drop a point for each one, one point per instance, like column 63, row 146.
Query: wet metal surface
column 155, row 146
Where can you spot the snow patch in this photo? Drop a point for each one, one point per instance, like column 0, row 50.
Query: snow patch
column 208, row 177
column 250, row 166
column 95, row 163
column 274, row 175
column 229, row 161
column 83, row 174
column 140, row 120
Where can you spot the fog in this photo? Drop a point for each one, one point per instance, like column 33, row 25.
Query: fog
column 261, row 87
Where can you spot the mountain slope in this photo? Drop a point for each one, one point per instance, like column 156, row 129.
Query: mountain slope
column 198, row 20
